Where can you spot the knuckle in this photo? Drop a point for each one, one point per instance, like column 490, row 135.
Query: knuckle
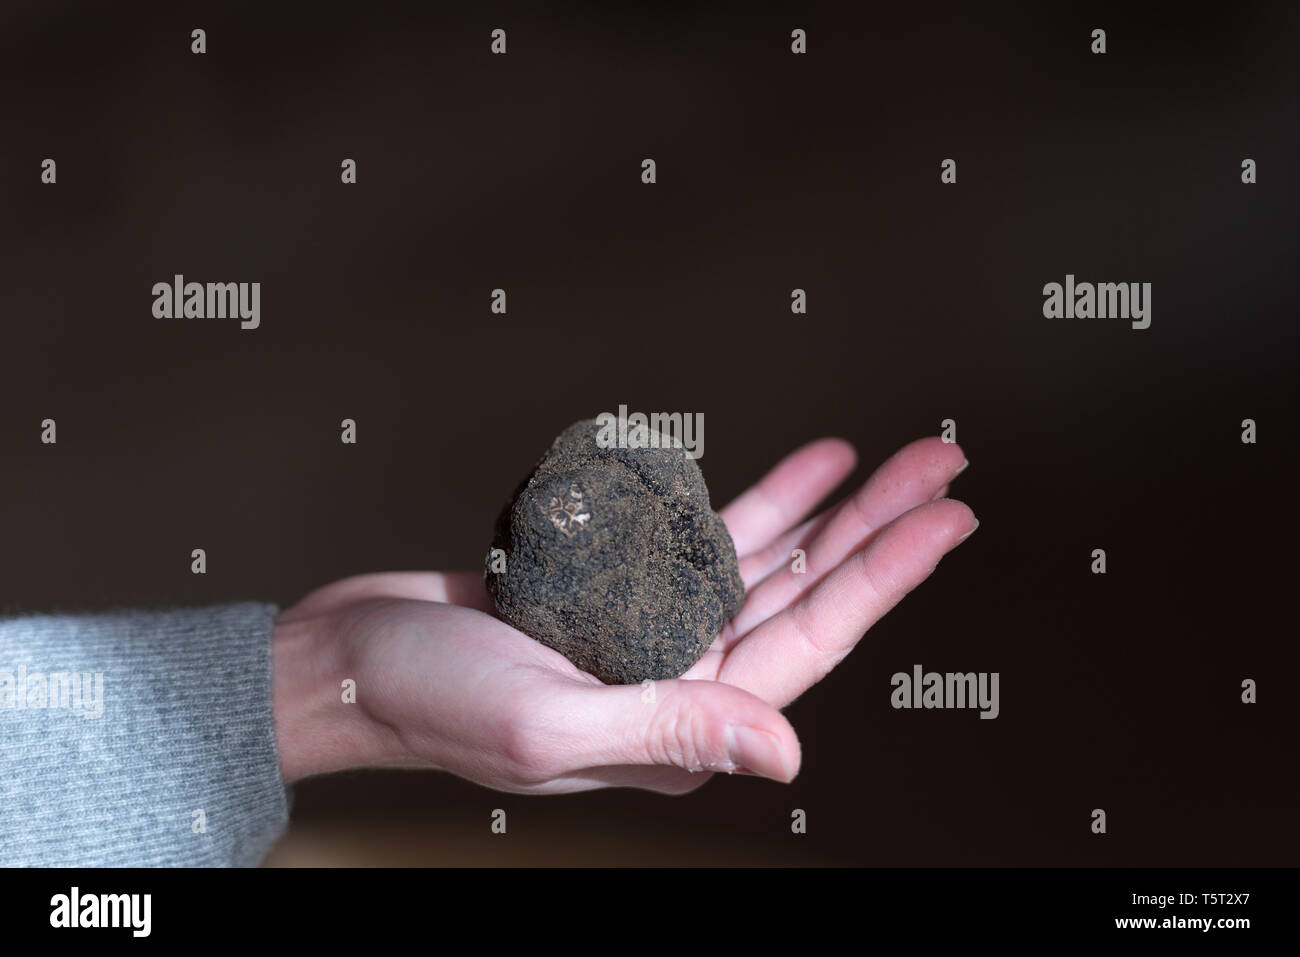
column 525, row 747
column 861, row 510
column 674, row 735
column 876, row 589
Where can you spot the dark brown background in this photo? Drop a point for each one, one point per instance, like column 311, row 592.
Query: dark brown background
column 775, row 171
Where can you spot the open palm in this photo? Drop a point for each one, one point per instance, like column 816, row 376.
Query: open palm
column 441, row 682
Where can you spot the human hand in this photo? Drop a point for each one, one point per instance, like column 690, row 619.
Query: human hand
column 441, row 683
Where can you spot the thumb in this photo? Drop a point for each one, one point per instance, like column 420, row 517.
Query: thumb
column 695, row 725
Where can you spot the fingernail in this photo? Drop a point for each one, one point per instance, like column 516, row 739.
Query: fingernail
column 970, row 533
column 757, row 750
column 964, row 464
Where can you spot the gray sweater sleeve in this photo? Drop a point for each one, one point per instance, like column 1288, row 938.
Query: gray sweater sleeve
column 139, row 738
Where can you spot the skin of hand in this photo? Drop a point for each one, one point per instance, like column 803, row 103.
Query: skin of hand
column 441, row 683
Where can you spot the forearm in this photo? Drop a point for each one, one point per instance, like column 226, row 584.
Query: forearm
column 180, row 766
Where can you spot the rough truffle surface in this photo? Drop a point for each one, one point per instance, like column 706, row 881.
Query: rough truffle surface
column 615, row 559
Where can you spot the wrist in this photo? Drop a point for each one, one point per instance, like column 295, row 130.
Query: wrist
column 319, row 728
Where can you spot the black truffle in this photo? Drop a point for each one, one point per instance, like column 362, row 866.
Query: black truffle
column 614, row 558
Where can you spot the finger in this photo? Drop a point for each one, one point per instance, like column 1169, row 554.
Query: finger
column 792, row 651
column 647, row 778
column 692, row 725
column 911, row 476
column 756, row 566
column 455, row 588
column 787, row 493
